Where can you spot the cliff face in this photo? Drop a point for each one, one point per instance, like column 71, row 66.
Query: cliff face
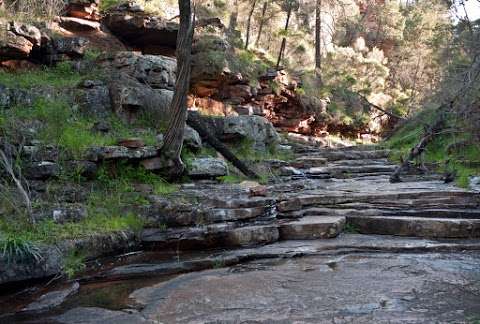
column 225, row 80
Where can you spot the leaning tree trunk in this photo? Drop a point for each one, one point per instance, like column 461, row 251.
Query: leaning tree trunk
column 249, row 23
column 262, row 22
column 195, row 122
column 172, row 148
column 318, row 40
column 284, row 40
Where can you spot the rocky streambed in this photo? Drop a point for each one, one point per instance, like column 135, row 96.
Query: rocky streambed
column 330, row 240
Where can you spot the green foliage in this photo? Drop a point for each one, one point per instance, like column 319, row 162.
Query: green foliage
column 107, row 4
column 439, row 151
column 351, row 229
column 67, row 129
column 60, row 76
column 244, row 150
column 92, row 54
column 18, row 249
column 232, row 179
column 248, row 64
column 74, row 263
column 121, row 176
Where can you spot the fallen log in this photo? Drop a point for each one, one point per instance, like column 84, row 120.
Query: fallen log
column 194, row 121
column 471, row 77
column 418, row 149
column 371, row 104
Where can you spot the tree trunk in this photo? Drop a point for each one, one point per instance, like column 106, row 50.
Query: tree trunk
column 284, row 40
column 249, row 22
column 318, row 40
column 262, row 22
column 195, row 122
column 172, row 148
column 232, row 24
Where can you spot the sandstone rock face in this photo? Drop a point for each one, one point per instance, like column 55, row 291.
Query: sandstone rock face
column 85, row 9
column 93, row 97
column 207, row 168
column 130, row 96
column 61, row 49
column 159, row 72
column 120, row 152
column 150, row 34
column 312, row 227
column 18, row 41
column 78, row 24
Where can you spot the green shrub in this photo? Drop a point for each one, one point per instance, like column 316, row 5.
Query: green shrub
column 73, row 263
column 60, row 76
column 18, row 249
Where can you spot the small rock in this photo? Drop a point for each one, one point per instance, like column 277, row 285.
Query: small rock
column 132, row 142
column 52, row 299
column 474, row 183
column 289, row 171
column 258, row 191
column 248, row 184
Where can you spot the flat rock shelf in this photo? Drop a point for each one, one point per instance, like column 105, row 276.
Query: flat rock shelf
column 331, row 240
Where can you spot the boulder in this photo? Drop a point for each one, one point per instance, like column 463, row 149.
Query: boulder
column 132, row 99
column 85, row 9
column 64, row 213
column 29, row 32
column 52, row 299
column 18, row 41
column 239, row 92
column 42, row 170
column 254, row 128
column 159, row 72
column 120, row 152
column 207, row 168
column 93, row 97
column 19, row 270
column 79, row 24
column 60, row 49
column 150, row 34
column 191, row 139
column 209, row 59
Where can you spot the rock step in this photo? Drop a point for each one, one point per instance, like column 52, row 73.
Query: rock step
column 305, row 162
column 321, row 199
column 361, row 162
column 210, row 236
column 312, row 227
column 416, row 226
column 150, row 266
column 352, row 155
column 368, row 169
column 365, row 211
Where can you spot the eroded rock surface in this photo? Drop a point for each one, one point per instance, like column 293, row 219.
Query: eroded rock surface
column 361, row 288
